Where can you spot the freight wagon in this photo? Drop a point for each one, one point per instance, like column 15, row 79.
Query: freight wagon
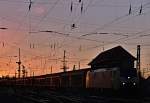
column 103, row 78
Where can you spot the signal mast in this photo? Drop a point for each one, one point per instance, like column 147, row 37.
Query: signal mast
column 64, row 62
column 19, row 65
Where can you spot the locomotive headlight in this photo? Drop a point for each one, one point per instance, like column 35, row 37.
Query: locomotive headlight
column 128, row 77
column 123, row 83
column 134, row 83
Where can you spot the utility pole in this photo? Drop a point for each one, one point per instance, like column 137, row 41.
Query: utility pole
column 74, row 67
column 26, row 73
column 79, row 65
column 51, row 76
column 103, row 46
column 51, row 69
column 33, row 74
column 19, row 65
column 138, row 63
column 15, row 75
column 23, row 71
column 64, row 62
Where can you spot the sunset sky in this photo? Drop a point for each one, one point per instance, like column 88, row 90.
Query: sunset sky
column 98, row 25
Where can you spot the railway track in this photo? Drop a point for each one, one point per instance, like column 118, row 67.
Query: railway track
column 45, row 96
column 102, row 99
column 36, row 97
column 61, row 97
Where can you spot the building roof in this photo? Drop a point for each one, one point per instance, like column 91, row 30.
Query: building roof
column 116, row 53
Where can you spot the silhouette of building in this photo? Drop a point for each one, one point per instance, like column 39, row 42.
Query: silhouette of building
column 115, row 57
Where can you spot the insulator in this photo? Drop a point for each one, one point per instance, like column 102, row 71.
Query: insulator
column 71, row 7
column 130, row 9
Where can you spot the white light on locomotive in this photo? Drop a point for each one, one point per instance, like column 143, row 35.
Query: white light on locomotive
column 123, row 83
column 134, row 83
column 128, row 77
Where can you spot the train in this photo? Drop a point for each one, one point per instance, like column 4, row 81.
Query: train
column 104, row 78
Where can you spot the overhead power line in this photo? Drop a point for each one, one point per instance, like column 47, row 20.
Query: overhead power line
column 69, row 35
column 117, row 19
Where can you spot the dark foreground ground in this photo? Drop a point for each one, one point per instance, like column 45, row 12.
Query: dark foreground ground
column 6, row 96
column 26, row 95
